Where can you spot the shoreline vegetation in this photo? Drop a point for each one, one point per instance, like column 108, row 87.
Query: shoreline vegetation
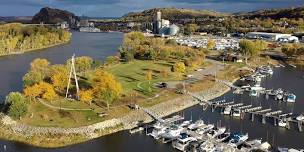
column 35, row 49
column 149, row 61
column 16, row 38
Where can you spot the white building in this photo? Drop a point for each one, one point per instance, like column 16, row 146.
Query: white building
column 271, row 36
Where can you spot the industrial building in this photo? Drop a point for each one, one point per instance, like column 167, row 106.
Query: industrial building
column 272, row 36
column 162, row 27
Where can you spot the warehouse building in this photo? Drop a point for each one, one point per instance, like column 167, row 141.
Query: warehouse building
column 272, row 36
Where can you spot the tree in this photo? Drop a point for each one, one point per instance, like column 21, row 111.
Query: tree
column 17, row 105
column 42, row 89
column 86, row 96
column 190, row 28
column 40, row 65
column 13, row 97
column 210, row 44
column 247, row 48
column 59, row 77
column 112, row 60
column 164, row 73
column 32, row 91
column 82, row 64
column 179, row 67
column 105, row 87
column 149, row 75
column 38, row 72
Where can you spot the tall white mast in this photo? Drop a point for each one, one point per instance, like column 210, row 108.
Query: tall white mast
column 72, row 72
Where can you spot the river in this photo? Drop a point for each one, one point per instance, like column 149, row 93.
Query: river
column 290, row 79
column 95, row 45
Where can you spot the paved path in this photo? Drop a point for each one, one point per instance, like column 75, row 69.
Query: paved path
column 199, row 75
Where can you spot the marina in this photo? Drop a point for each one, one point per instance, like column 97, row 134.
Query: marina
column 124, row 141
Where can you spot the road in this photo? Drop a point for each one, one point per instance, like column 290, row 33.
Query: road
column 215, row 67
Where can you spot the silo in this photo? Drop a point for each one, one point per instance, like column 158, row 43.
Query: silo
column 173, row 30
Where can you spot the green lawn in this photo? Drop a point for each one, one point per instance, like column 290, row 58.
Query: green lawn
column 133, row 75
column 41, row 115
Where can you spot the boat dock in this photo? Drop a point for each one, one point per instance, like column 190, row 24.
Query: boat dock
column 264, row 114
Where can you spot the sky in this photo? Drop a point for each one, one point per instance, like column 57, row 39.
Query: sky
column 117, row 8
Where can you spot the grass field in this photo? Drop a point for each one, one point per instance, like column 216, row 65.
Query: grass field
column 41, row 115
column 133, row 75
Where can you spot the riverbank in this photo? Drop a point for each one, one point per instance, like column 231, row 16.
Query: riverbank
column 52, row 137
column 34, row 49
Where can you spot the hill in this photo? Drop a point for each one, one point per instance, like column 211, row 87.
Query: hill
column 52, row 16
column 172, row 14
column 290, row 13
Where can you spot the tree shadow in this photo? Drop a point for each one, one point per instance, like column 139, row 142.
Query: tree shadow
column 130, row 79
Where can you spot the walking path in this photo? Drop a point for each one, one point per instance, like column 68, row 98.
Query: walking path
column 199, row 75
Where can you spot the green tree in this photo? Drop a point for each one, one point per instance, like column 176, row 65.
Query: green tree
column 17, row 105
column 190, row 28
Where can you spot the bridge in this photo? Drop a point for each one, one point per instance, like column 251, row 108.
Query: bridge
column 227, row 83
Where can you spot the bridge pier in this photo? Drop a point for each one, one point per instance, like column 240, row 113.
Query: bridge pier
column 252, row 117
column 212, row 108
column 300, row 124
column 263, row 119
column 287, row 124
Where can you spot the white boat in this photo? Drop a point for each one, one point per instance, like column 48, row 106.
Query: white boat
column 185, row 123
column 183, row 142
column 282, row 123
column 196, row 125
column 204, row 129
column 223, row 137
column 172, row 132
column 289, row 150
column 237, row 139
column 291, row 98
column 207, row 146
column 215, row 132
column 245, row 86
column 158, row 130
column 236, row 112
column 258, row 79
column 253, row 93
column 227, row 110
column 300, row 117
column 251, row 145
column 279, row 96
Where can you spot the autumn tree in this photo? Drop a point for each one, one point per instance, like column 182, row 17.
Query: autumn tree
column 112, row 60
column 179, row 67
column 149, row 75
column 59, row 77
column 248, row 48
column 38, row 72
column 82, row 64
column 164, row 73
column 86, row 96
column 42, row 89
column 105, row 87
column 210, row 44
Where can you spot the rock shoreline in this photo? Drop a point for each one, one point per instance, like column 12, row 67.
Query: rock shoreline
column 110, row 126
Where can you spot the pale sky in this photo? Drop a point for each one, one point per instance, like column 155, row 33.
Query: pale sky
column 117, row 8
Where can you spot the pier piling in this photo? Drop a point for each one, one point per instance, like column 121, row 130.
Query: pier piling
column 300, row 126
column 263, row 119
